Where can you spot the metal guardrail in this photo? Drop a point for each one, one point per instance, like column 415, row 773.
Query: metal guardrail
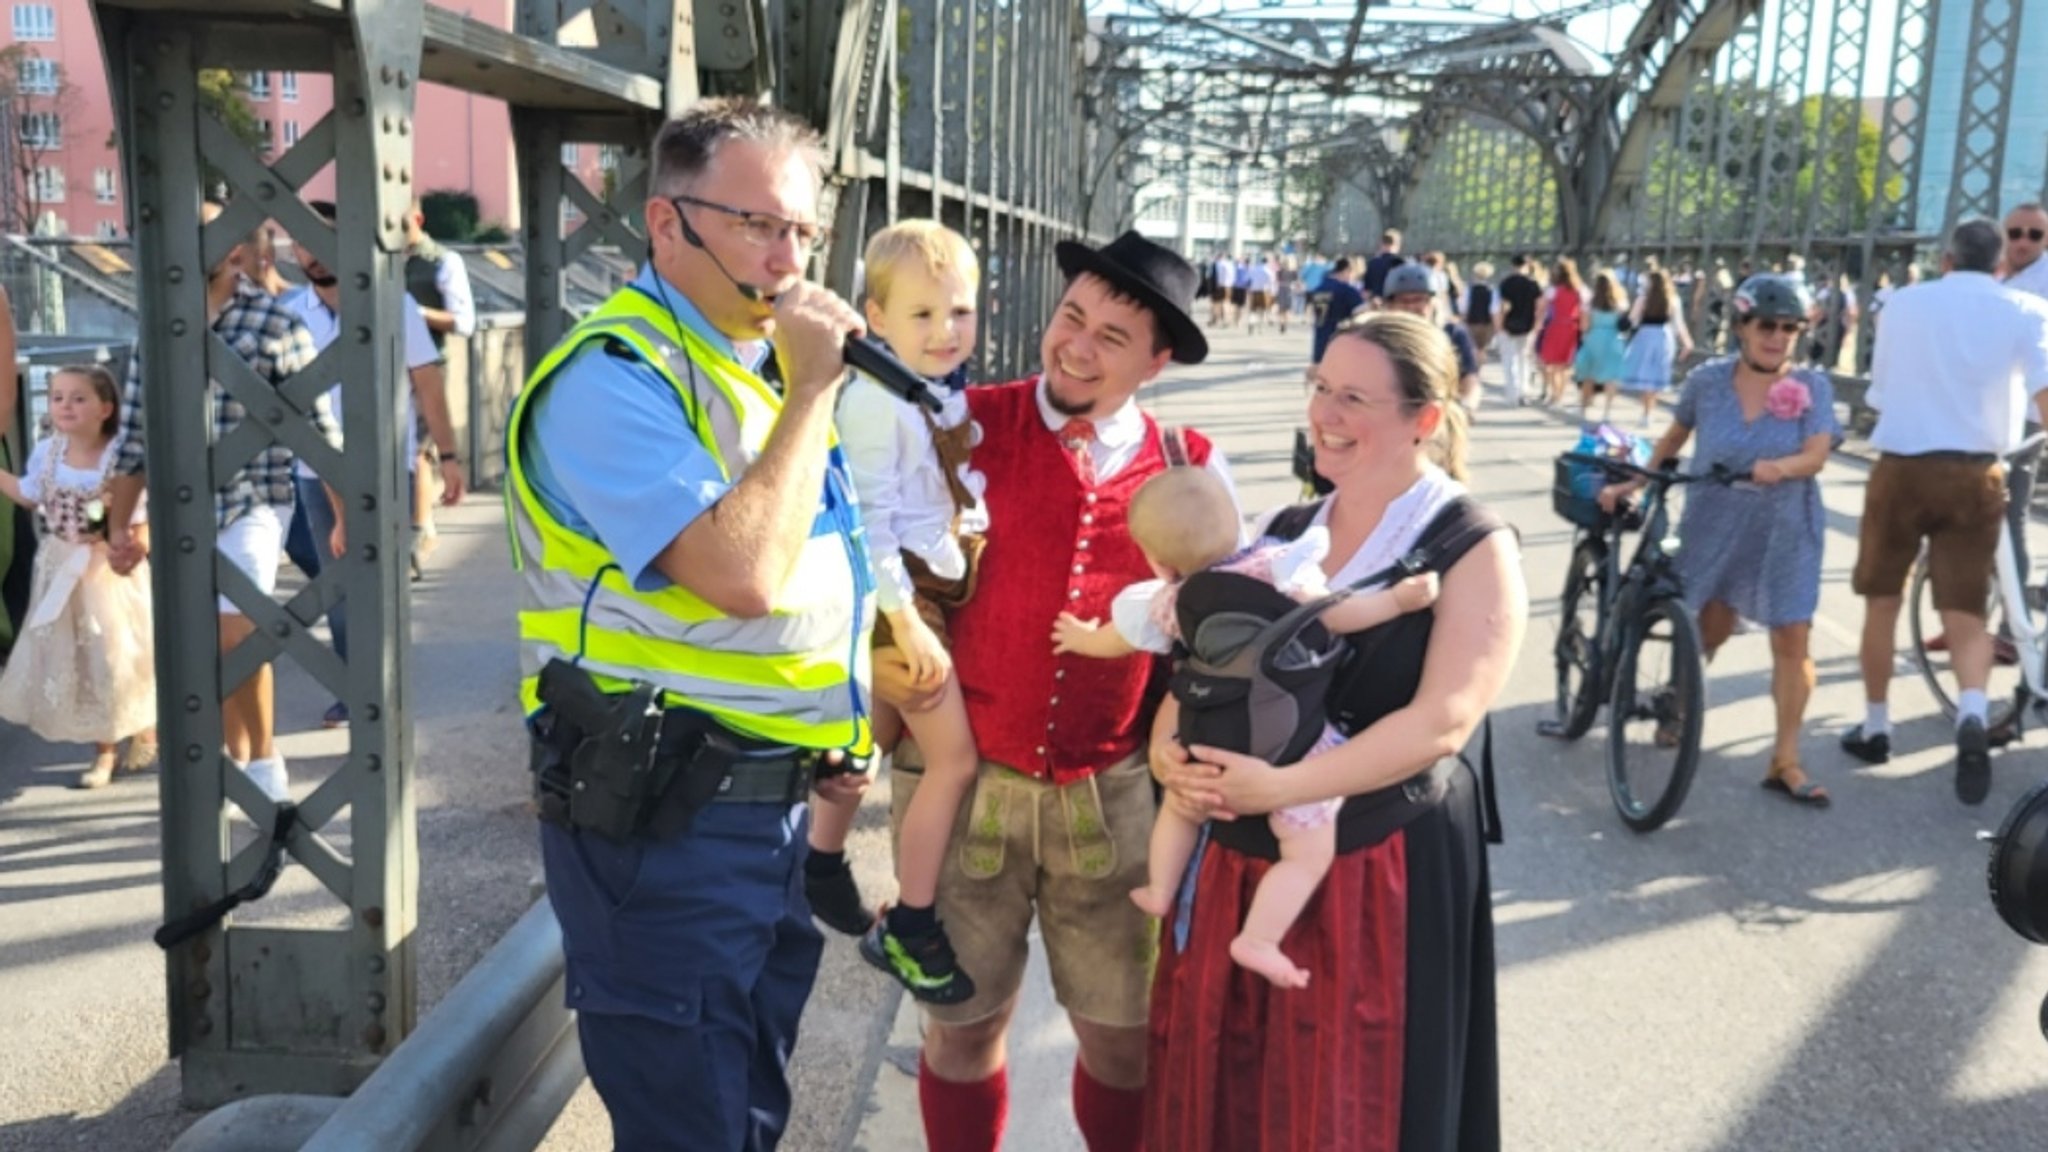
column 489, row 1069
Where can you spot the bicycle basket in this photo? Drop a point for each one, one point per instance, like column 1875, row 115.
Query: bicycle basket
column 1575, row 494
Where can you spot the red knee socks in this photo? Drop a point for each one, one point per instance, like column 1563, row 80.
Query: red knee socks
column 1110, row 1119
column 964, row 1117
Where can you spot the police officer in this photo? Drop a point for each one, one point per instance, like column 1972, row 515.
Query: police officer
column 694, row 633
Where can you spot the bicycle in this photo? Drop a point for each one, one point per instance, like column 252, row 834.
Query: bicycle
column 2019, row 677
column 1612, row 619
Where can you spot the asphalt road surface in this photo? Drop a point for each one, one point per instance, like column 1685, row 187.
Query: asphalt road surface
column 1754, row 976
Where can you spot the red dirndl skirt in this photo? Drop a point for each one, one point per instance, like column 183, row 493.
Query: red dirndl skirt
column 1391, row 1048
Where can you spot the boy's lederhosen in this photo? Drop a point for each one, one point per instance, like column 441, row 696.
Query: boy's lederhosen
column 935, row 594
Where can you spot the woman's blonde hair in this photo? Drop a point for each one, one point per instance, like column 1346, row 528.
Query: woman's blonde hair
column 1425, row 372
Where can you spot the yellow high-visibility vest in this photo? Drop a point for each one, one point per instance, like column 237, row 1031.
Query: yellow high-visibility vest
column 798, row 675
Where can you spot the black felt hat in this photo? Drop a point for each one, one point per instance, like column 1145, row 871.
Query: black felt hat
column 1150, row 274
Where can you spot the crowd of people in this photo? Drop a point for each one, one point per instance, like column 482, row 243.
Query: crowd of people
column 81, row 664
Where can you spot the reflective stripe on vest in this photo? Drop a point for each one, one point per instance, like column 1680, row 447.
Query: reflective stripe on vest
column 797, row 675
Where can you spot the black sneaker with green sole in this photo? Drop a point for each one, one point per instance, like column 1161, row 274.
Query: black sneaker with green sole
column 922, row 963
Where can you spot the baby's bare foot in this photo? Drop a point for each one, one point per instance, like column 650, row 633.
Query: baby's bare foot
column 1265, row 958
column 1154, row 903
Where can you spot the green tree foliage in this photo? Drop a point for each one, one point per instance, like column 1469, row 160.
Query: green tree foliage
column 1768, row 162
column 451, row 215
column 222, row 95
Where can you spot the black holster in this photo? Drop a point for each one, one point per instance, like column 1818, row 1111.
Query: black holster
column 597, row 762
column 621, row 765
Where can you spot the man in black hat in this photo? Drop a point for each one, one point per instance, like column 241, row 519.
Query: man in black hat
column 1063, row 802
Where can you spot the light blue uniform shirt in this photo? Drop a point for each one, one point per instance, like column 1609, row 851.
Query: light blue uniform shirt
column 611, row 452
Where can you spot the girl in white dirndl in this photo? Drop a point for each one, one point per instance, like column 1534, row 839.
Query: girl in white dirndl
column 83, row 665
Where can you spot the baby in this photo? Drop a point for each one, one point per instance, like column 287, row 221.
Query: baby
column 1186, row 522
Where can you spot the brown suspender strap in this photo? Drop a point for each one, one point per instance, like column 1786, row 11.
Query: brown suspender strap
column 1176, row 445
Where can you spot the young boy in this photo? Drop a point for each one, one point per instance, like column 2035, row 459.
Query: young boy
column 921, row 508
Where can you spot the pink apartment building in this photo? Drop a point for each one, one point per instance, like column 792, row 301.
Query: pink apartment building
column 66, row 120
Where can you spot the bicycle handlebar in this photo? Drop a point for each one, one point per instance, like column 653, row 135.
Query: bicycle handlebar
column 1719, row 474
column 2031, row 446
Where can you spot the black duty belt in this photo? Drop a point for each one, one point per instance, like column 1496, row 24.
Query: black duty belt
column 621, row 765
column 758, row 772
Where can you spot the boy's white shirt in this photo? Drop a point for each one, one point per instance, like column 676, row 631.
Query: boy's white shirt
column 905, row 504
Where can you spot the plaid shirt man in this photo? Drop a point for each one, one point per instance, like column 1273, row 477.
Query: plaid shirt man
column 274, row 342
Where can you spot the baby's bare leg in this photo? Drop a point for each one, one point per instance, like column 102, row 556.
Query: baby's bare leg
column 1305, row 855
column 1173, row 842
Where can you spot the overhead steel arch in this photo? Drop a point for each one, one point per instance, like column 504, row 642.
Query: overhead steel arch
column 1548, row 113
column 1658, row 102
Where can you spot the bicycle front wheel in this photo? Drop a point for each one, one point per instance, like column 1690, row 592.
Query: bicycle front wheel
column 1930, row 650
column 1654, row 715
column 1576, row 652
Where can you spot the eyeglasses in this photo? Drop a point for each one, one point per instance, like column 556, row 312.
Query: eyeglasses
column 2034, row 234
column 763, row 230
column 1773, row 327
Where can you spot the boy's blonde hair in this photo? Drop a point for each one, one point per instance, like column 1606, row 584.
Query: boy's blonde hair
column 924, row 244
column 1185, row 520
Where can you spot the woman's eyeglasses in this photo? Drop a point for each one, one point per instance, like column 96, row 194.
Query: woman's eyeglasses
column 763, row 230
column 2034, row 234
column 1773, row 327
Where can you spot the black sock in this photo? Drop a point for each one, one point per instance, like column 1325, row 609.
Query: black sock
column 824, row 863
column 910, row 920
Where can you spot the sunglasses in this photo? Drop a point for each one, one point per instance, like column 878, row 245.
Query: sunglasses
column 1773, row 327
column 2034, row 234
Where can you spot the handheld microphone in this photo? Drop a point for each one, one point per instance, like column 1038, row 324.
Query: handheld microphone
column 861, row 352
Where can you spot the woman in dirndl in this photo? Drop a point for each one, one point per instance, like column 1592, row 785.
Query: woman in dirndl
column 1392, row 1046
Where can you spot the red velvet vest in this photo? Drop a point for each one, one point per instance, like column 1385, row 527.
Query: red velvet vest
column 1053, row 546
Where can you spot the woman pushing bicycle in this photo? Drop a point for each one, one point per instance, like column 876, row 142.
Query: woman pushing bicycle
column 1752, row 551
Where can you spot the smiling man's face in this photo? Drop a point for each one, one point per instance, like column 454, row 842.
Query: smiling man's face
column 1099, row 349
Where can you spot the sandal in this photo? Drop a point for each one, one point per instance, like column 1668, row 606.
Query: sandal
column 99, row 775
column 141, row 756
column 1805, row 792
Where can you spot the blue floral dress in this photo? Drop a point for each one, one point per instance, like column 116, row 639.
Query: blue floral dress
column 1756, row 548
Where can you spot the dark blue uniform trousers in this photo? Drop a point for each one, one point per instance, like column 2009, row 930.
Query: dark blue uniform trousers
column 689, row 961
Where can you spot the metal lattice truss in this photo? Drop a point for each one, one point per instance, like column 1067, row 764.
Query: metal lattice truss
column 1744, row 125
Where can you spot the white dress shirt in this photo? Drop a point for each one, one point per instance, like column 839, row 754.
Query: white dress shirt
column 419, row 352
column 2033, row 279
column 905, row 504
column 1958, row 361
column 1118, row 436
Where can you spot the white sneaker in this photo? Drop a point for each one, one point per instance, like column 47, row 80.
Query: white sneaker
column 270, row 776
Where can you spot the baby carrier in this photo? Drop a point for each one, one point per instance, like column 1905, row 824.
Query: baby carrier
column 1258, row 664
column 1255, row 667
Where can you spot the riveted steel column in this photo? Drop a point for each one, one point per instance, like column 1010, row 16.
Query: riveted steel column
column 255, row 1008
column 163, row 176
column 1990, row 64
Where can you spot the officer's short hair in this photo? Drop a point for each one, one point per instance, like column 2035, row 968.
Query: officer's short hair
column 685, row 146
column 923, row 244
